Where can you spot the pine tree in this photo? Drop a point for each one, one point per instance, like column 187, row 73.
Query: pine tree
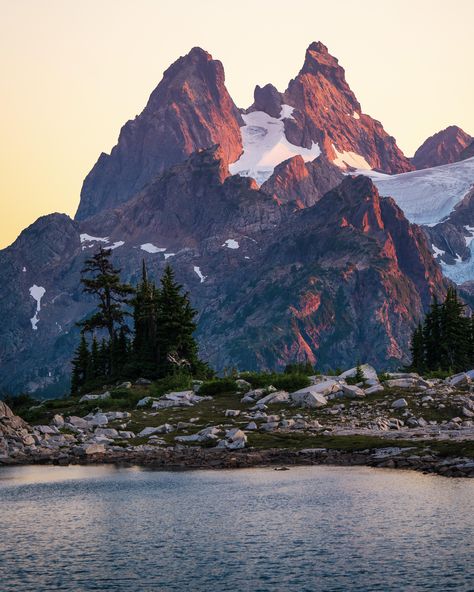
column 96, row 369
column 417, row 349
column 359, row 374
column 145, row 310
column 81, row 366
column 432, row 337
column 455, row 333
column 177, row 348
column 112, row 294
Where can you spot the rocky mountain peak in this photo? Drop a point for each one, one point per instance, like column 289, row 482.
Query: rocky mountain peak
column 444, row 147
column 189, row 110
column 326, row 111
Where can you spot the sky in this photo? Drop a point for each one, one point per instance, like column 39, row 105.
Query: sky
column 72, row 73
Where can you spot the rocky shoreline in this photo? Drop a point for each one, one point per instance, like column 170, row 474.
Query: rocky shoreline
column 194, row 458
column 399, row 421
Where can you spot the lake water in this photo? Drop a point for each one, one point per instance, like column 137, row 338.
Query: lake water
column 307, row 529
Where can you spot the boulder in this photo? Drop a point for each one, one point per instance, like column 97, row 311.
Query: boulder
column 403, row 383
column 78, row 422
column 235, row 439
column 58, row 420
column 114, row 415
column 377, row 388
column 94, row 448
column 274, row 398
column 91, row 397
column 143, row 382
column 97, row 419
column 144, row 402
column 313, row 396
column 232, row 412
column 166, row 428
column 461, row 379
column 45, row 429
column 243, row 384
column 206, row 435
column 399, row 404
column 251, row 426
column 126, row 435
column 125, row 385
column 353, row 391
column 107, row 433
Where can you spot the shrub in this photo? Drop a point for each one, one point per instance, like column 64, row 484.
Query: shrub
column 120, row 393
column 218, row 386
column 174, row 382
column 291, row 382
column 299, row 368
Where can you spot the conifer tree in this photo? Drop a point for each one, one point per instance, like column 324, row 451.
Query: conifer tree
column 81, row 366
column 105, row 284
column 177, row 348
column 417, row 349
column 145, row 310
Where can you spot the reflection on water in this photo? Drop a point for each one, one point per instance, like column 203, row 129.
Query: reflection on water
column 308, row 529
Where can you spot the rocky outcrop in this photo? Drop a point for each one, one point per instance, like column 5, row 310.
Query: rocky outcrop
column 327, row 112
column 302, row 184
column 468, row 152
column 15, row 434
column 444, row 147
column 189, row 110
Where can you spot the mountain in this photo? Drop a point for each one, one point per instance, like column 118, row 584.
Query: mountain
column 286, row 255
column 468, row 152
column 273, row 282
column 190, row 109
column 444, row 147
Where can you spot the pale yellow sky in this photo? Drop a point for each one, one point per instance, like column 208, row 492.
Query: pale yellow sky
column 72, row 72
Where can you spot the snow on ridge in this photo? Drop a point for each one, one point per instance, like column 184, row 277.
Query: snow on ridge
column 429, row 195
column 265, row 145
column 117, row 244
column 437, row 252
column 231, row 243
column 168, row 255
column 197, row 271
column 151, row 248
column 37, row 293
column 355, row 115
column 87, row 238
column 351, row 159
column 469, row 238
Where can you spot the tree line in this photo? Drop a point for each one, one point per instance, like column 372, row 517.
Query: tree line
column 445, row 340
column 145, row 331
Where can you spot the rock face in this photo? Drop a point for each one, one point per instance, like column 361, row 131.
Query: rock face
column 190, row 109
column 468, row 152
column 444, row 147
column 15, row 434
column 327, row 112
column 302, row 184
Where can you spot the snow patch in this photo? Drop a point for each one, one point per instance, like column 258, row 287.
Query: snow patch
column 429, row 195
column 37, row 293
column 470, row 238
column 350, row 159
column 286, row 112
column 355, row 115
column 458, row 258
column 265, row 145
column 230, row 243
column 197, row 271
column 151, row 248
column 117, row 244
column 24, row 270
column 437, row 252
column 168, row 255
column 87, row 238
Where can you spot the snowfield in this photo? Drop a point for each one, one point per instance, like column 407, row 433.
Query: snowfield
column 429, row 195
column 37, row 293
column 265, row 145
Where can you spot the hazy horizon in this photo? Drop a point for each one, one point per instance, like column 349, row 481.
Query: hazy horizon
column 75, row 73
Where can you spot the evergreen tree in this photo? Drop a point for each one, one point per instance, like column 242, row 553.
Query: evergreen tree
column 432, row 336
column 417, row 349
column 81, row 366
column 359, row 374
column 455, row 333
column 177, row 348
column 112, row 294
column 96, row 369
column 145, row 311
